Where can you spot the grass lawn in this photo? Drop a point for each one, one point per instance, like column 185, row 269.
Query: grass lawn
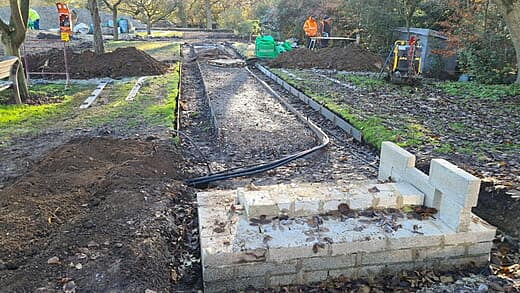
column 160, row 50
column 18, row 120
column 161, row 34
column 446, row 117
column 154, row 106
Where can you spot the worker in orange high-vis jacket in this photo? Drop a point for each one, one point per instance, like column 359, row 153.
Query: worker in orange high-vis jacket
column 310, row 27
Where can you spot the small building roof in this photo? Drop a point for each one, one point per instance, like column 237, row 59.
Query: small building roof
column 423, row 32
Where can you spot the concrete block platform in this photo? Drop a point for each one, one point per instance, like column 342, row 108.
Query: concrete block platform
column 296, row 234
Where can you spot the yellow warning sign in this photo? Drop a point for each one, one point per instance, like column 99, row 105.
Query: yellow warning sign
column 65, row 36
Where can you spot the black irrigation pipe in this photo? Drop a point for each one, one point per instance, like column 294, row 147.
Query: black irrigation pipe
column 260, row 168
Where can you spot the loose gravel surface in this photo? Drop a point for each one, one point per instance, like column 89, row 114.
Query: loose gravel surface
column 254, row 127
column 252, row 122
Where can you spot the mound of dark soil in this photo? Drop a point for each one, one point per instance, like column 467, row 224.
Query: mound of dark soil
column 351, row 58
column 111, row 214
column 122, row 62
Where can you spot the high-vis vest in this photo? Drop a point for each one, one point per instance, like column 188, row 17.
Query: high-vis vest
column 310, row 27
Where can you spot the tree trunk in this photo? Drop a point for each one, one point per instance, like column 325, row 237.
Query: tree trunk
column 21, row 91
column 511, row 11
column 149, row 26
column 182, row 14
column 209, row 21
column 116, row 25
column 98, row 35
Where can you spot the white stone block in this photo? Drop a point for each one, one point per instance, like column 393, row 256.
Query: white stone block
column 386, row 257
column 307, row 207
column 360, row 201
column 369, row 271
column 372, row 245
column 479, row 248
column 454, row 215
column 332, row 205
column 445, row 252
column 456, row 184
column 384, row 199
column 328, row 262
column 282, row 254
column 263, row 269
column 218, row 273
column 409, row 194
column 479, row 231
column 286, row 279
column 235, row 284
column 259, row 203
column 220, row 251
column 217, row 198
column 421, row 181
column 477, row 260
column 394, row 157
column 347, row 272
column 215, row 221
column 315, row 276
column 414, row 234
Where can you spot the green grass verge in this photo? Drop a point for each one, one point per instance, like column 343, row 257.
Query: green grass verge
column 155, row 104
column 16, row 120
column 362, row 81
column 475, row 90
column 160, row 50
column 161, row 34
column 373, row 128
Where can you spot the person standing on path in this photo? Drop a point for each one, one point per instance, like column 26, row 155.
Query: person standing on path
column 310, row 27
column 34, row 19
column 325, row 31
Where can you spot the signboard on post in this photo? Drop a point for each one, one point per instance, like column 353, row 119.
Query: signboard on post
column 65, row 22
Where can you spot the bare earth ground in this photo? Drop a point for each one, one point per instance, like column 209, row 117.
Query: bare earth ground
column 109, row 217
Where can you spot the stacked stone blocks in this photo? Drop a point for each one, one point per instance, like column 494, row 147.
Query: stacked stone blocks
column 278, row 235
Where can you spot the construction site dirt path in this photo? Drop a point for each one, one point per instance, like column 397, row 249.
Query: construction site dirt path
column 254, row 127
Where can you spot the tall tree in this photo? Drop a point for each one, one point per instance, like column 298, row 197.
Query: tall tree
column 511, row 11
column 99, row 48
column 114, row 8
column 209, row 16
column 409, row 7
column 13, row 36
column 151, row 11
column 181, row 14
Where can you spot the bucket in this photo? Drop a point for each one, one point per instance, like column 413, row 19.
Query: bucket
column 123, row 25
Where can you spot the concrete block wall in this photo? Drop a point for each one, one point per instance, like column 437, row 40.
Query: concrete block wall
column 315, row 199
column 238, row 253
column 278, row 235
column 447, row 188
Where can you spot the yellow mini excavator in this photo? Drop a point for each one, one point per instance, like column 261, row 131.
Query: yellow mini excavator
column 406, row 61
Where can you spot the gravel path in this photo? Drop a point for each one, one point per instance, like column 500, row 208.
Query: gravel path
column 252, row 122
column 254, row 127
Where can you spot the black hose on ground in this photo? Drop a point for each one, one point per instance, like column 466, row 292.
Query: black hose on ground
column 260, row 168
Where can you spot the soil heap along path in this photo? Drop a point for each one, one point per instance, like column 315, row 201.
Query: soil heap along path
column 122, row 62
column 351, row 58
column 100, row 215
